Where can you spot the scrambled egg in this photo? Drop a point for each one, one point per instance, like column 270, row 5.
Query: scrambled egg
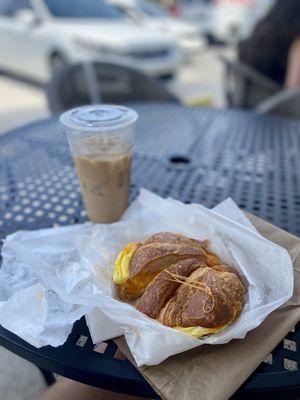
column 198, row 331
column 121, row 270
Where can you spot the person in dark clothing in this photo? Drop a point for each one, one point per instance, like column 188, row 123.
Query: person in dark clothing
column 274, row 46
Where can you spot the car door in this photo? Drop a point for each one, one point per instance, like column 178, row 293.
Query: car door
column 20, row 42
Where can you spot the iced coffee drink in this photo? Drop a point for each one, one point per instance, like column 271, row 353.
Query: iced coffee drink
column 105, row 185
column 100, row 139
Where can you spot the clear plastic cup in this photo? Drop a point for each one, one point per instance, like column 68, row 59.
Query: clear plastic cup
column 100, row 139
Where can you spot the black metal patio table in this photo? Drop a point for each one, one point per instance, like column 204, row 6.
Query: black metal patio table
column 191, row 154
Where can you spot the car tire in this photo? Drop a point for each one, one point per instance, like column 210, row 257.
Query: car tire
column 57, row 61
column 167, row 77
column 213, row 41
column 210, row 40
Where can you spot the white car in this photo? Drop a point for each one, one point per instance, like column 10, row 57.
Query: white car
column 38, row 35
column 227, row 20
column 152, row 15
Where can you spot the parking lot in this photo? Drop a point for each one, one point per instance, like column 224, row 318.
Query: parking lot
column 199, row 81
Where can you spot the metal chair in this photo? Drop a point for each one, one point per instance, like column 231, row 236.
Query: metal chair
column 286, row 103
column 244, row 86
column 97, row 82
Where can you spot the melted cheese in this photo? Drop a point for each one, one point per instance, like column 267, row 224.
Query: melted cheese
column 121, row 269
column 199, row 331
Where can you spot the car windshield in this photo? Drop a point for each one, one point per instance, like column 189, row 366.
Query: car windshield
column 83, row 9
column 151, row 9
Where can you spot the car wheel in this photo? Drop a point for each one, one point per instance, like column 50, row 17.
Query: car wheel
column 167, row 77
column 211, row 40
column 57, row 61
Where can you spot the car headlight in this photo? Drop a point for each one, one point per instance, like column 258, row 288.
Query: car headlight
column 95, row 47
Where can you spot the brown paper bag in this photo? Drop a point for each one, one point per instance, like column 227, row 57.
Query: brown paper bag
column 216, row 372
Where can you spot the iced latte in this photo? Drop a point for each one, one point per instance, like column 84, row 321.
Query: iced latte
column 100, row 139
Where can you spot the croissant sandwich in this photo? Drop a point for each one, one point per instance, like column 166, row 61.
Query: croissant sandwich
column 181, row 283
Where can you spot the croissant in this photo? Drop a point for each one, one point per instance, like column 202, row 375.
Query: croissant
column 181, row 283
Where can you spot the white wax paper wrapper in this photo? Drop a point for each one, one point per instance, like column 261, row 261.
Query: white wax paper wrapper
column 52, row 277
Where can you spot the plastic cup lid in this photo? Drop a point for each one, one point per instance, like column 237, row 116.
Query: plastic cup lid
column 98, row 118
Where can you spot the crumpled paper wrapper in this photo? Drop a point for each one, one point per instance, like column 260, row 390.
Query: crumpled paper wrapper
column 216, row 372
column 52, row 277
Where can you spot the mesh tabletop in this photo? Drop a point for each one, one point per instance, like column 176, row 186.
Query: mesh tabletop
column 191, row 154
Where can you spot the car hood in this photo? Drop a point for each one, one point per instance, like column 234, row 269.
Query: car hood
column 123, row 35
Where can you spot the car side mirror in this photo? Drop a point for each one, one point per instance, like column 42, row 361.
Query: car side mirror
column 27, row 17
